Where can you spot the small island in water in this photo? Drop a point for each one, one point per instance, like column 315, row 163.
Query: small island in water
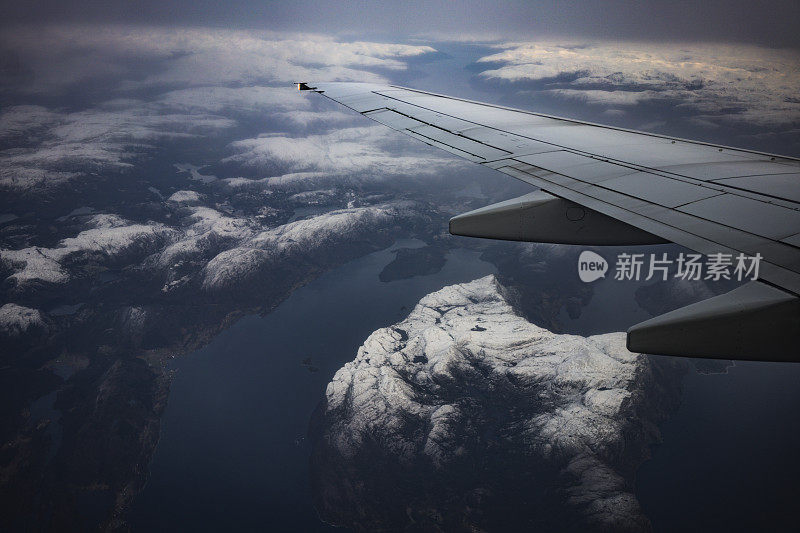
column 410, row 262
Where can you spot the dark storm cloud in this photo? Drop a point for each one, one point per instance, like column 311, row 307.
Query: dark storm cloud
column 774, row 23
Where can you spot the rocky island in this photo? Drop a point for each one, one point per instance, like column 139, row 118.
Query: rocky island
column 465, row 411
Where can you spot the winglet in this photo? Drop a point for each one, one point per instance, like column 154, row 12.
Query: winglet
column 755, row 321
column 303, row 86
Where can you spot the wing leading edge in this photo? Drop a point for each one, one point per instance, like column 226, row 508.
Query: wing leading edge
column 602, row 185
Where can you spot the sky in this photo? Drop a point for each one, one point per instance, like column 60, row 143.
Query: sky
column 771, row 23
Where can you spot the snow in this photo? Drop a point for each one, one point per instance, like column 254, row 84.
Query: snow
column 109, row 236
column 16, row 320
column 302, row 238
column 185, row 197
column 584, row 389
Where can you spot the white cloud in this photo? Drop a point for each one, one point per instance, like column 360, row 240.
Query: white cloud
column 618, row 98
column 369, row 149
column 199, row 56
column 96, row 139
column 23, row 178
column 25, row 122
column 224, row 56
column 238, row 100
column 735, row 82
column 134, row 125
column 308, row 118
column 212, row 78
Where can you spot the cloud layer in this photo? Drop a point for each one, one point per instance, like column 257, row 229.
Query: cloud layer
column 372, row 149
column 66, row 55
column 162, row 85
column 741, row 83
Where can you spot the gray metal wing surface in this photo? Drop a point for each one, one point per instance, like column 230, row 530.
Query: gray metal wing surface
column 602, row 185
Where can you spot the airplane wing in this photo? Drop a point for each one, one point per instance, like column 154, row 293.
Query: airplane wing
column 602, row 185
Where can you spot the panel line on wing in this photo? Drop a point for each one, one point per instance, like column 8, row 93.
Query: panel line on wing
column 738, row 153
column 422, row 122
column 786, row 277
column 725, row 235
column 400, row 89
column 667, row 195
column 439, row 144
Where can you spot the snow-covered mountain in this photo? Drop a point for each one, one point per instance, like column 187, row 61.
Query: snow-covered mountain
column 499, row 411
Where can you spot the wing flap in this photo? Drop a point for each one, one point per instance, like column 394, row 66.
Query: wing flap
column 394, row 120
column 479, row 149
column 708, row 171
column 753, row 216
column 659, row 190
column 775, row 185
column 513, row 144
column 475, row 158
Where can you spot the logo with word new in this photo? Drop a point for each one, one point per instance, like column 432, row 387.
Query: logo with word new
column 591, row 266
